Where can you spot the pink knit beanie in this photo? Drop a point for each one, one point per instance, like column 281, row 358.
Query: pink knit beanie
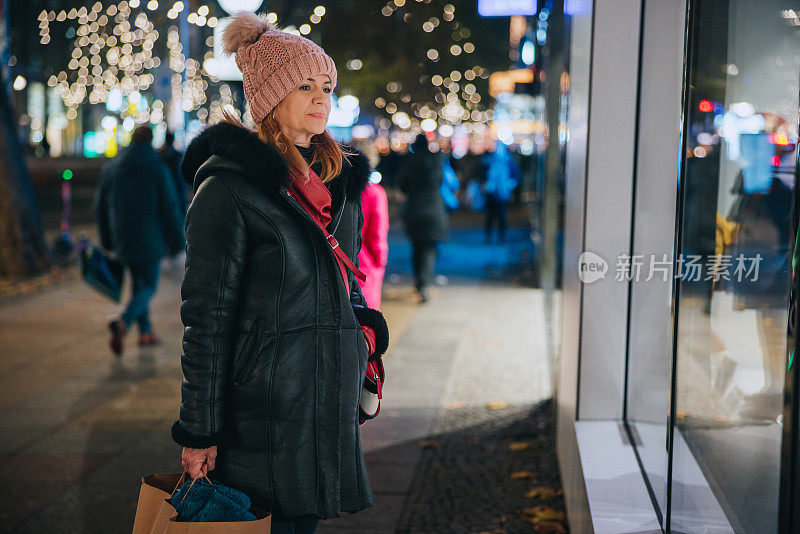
column 272, row 62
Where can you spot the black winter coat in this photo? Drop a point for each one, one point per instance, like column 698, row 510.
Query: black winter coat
column 424, row 214
column 273, row 353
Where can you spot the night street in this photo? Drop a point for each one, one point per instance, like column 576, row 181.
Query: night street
column 400, row 266
column 82, row 427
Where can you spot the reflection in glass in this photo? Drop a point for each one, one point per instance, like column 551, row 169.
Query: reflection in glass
column 735, row 268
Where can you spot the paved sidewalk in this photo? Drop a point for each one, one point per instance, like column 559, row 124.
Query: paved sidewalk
column 472, row 355
column 78, row 428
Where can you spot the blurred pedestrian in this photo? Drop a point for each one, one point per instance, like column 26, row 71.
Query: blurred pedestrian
column 277, row 333
column 502, row 177
column 172, row 157
column 138, row 219
column 764, row 193
column 473, row 165
column 424, row 212
column 389, row 165
column 472, row 171
column 375, row 240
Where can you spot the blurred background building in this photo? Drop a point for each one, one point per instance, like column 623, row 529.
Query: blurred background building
column 83, row 75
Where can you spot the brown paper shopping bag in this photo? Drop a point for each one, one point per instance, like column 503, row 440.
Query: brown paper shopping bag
column 259, row 526
column 154, row 515
column 153, row 511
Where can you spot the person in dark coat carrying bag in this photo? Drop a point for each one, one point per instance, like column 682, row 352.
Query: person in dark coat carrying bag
column 138, row 219
column 277, row 334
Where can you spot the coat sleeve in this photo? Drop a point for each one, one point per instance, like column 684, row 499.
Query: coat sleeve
column 367, row 316
column 101, row 209
column 406, row 175
column 216, row 241
column 169, row 211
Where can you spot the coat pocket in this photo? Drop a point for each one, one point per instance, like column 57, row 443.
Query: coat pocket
column 245, row 355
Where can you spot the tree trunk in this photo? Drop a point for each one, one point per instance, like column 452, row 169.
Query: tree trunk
column 22, row 246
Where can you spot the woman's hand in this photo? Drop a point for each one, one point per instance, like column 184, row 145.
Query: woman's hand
column 198, row 462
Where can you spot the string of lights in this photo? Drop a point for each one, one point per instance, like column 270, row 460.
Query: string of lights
column 457, row 100
column 114, row 55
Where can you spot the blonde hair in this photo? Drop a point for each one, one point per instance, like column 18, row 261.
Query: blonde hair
column 327, row 151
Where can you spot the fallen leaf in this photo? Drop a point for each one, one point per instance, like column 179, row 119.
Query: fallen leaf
column 496, row 404
column 545, row 513
column 540, row 514
column 522, row 446
column 429, row 444
column 549, row 527
column 520, row 475
column 542, row 492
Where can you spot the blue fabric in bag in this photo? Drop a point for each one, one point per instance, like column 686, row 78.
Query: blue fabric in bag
column 208, row 502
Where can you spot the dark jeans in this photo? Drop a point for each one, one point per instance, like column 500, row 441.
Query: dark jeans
column 424, row 254
column 305, row 524
column 495, row 211
column 145, row 280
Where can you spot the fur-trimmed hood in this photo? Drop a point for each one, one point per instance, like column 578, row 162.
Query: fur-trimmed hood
column 262, row 164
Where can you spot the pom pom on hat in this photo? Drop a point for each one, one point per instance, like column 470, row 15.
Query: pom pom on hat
column 245, row 29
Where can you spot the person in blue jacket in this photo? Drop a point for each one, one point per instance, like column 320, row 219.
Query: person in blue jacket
column 502, row 177
column 139, row 221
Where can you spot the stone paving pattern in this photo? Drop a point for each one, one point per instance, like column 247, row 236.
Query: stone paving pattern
column 463, row 481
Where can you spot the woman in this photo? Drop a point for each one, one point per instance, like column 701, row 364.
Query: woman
column 375, row 238
column 274, row 348
column 424, row 214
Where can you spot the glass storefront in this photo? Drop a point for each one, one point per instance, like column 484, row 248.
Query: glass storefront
column 739, row 184
column 711, row 405
column 727, row 350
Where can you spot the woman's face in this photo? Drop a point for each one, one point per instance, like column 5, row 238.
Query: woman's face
column 304, row 112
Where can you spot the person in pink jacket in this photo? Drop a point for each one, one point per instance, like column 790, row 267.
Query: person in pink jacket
column 375, row 243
